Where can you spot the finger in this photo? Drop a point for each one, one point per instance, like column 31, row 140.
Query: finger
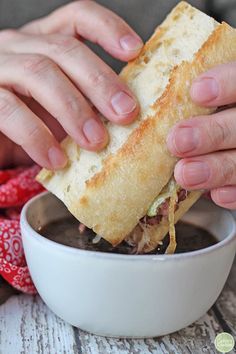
column 90, row 74
column 53, row 125
column 93, row 22
column 216, row 87
column 20, row 125
column 201, row 135
column 225, row 196
column 207, row 171
column 38, row 77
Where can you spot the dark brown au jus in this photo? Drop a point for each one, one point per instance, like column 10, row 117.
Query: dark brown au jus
column 66, row 231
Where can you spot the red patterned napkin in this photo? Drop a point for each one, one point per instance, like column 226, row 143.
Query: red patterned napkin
column 17, row 186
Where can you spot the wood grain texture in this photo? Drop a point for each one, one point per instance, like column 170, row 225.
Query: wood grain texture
column 197, row 338
column 27, row 326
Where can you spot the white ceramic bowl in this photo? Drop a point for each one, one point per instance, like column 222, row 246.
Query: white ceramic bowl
column 128, row 295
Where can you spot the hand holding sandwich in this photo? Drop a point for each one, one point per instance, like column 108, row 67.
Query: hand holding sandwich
column 49, row 77
column 206, row 145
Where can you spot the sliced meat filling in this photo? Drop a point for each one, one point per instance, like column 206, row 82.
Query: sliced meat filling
column 163, row 207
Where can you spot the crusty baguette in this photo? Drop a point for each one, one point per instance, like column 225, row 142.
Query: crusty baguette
column 111, row 190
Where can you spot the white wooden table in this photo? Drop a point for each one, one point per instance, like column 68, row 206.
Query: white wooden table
column 27, row 326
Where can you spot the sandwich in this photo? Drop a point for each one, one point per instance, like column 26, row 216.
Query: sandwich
column 127, row 191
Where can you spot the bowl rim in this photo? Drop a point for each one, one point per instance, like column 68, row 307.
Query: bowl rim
column 28, row 229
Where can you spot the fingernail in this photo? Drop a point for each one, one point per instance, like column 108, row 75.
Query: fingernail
column 130, row 42
column 93, row 131
column 122, row 103
column 192, row 173
column 204, row 90
column 182, row 140
column 227, row 195
column 57, row 157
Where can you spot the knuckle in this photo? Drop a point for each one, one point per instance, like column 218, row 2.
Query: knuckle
column 63, row 45
column 8, row 104
column 36, row 64
column 71, row 107
column 110, row 22
column 99, row 78
column 228, row 169
column 34, row 133
column 219, row 132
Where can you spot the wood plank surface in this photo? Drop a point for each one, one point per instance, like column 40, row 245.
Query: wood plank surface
column 27, row 326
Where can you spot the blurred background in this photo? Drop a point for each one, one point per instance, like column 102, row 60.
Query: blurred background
column 223, row 10
column 142, row 15
column 18, row 12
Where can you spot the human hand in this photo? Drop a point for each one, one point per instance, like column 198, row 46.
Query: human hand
column 207, row 145
column 49, row 78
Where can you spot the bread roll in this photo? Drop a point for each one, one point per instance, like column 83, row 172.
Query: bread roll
column 111, row 190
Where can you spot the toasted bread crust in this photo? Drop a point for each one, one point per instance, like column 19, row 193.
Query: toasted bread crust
column 116, row 197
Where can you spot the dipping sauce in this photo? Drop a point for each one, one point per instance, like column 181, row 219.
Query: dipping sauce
column 66, row 232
